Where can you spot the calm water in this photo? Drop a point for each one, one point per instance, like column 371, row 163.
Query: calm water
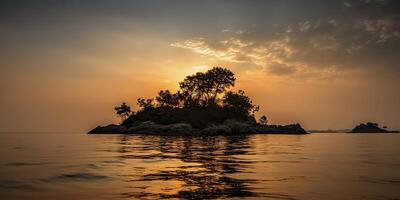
column 316, row 166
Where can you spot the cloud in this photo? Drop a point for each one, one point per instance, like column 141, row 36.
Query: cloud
column 304, row 26
column 200, row 46
column 363, row 36
column 237, row 50
column 381, row 29
column 347, row 4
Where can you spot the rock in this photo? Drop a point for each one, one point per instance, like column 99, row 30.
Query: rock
column 149, row 127
column 216, row 130
column 182, row 128
column 368, row 128
column 293, row 129
column 277, row 129
column 262, row 130
column 226, row 128
column 112, row 128
column 238, row 127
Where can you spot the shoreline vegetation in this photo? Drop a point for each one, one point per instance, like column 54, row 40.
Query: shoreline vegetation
column 204, row 105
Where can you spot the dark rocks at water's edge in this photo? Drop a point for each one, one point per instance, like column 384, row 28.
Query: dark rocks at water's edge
column 370, row 127
column 227, row 128
column 111, row 128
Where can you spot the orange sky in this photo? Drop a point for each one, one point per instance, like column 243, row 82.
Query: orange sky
column 64, row 68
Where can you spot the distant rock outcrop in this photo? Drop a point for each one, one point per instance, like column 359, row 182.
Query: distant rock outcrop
column 112, row 128
column 227, row 128
column 370, row 127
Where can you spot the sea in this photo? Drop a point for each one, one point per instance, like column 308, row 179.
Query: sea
column 319, row 166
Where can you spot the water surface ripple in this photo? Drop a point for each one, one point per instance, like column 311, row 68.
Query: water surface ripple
column 315, row 166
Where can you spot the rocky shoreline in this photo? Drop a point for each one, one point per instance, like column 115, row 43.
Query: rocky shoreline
column 229, row 127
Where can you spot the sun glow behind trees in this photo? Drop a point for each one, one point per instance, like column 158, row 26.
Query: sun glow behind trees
column 197, row 102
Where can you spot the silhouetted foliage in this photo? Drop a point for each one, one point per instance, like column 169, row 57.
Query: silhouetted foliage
column 197, row 102
column 166, row 99
column 372, row 124
column 263, row 120
column 145, row 103
column 123, row 111
column 239, row 102
column 220, row 79
column 203, row 88
column 194, row 89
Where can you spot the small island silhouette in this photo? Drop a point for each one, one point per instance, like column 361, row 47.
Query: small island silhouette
column 204, row 105
column 370, row 127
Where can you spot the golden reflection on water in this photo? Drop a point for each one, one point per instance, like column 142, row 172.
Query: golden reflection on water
column 188, row 167
column 317, row 166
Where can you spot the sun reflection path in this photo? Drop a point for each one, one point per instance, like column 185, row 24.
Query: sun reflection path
column 189, row 167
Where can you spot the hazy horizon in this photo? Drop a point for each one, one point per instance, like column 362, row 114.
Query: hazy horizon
column 324, row 64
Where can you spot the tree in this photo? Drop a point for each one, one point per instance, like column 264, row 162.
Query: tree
column 145, row 103
column 240, row 103
column 203, row 98
column 203, row 88
column 123, row 111
column 220, row 79
column 166, row 99
column 372, row 124
column 194, row 89
column 263, row 120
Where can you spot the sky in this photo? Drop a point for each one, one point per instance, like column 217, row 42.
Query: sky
column 327, row 64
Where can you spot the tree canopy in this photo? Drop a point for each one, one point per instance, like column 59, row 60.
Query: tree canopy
column 167, row 99
column 203, row 88
column 123, row 111
column 240, row 102
column 202, row 98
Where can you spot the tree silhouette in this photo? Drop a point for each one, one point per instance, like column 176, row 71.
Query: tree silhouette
column 239, row 102
column 194, row 89
column 145, row 103
column 263, row 120
column 203, row 88
column 372, row 124
column 166, row 99
column 198, row 102
column 220, row 79
column 123, row 111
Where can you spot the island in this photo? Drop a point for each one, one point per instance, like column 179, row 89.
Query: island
column 370, row 127
column 205, row 104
